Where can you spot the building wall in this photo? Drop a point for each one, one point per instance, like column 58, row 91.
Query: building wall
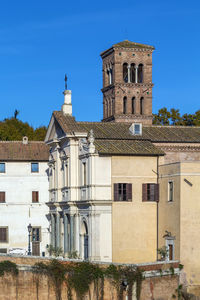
column 169, row 212
column 134, row 233
column 18, row 210
column 181, row 217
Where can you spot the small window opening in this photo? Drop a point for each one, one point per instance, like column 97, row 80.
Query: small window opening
column 125, row 105
column 170, row 191
column 133, row 105
column 132, row 73
column 140, row 73
column 125, row 72
column 141, row 106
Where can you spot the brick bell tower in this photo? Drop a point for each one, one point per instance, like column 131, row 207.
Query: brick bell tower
column 127, row 83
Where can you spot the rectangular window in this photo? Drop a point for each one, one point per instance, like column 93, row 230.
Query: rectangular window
column 35, row 196
column 2, row 197
column 150, row 192
column 2, row 168
column 122, row 192
column 34, row 167
column 170, row 191
column 3, row 250
column 36, row 234
column 3, row 234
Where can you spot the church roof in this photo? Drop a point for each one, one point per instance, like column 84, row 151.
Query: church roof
column 120, row 131
column 17, row 151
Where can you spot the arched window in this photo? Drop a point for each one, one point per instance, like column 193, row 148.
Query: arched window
column 140, row 73
column 125, row 72
column 132, row 71
column 133, row 105
column 125, row 105
column 141, row 106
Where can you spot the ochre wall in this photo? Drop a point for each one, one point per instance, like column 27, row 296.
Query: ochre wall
column 28, row 286
column 134, row 223
column 169, row 212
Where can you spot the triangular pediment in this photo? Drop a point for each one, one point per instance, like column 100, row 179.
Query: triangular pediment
column 54, row 130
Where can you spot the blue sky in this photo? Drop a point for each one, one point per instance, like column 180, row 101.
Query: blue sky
column 40, row 41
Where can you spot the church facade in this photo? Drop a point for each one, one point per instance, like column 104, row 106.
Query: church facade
column 121, row 189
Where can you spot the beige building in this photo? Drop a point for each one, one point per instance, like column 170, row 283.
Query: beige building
column 122, row 188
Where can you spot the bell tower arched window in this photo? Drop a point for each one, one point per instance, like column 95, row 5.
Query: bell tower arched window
column 132, row 73
column 125, row 105
column 140, row 73
column 133, row 105
column 125, row 72
column 141, row 105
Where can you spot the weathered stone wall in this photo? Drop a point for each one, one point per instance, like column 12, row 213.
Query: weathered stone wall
column 28, row 286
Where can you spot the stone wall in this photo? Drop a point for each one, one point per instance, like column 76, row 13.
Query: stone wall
column 28, row 286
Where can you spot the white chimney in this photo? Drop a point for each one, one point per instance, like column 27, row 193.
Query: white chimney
column 67, row 106
column 25, row 140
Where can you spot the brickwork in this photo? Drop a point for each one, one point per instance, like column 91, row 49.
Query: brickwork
column 29, row 286
column 115, row 91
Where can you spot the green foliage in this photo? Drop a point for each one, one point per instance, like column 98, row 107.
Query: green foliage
column 73, row 255
column 180, row 267
column 55, row 271
column 119, row 275
column 162, row 252
column 13, row 129
column 55, row 251
column 7, row 266
column 173, row 117
column 81, row 275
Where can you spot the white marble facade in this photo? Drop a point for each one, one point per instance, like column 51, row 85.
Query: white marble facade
column 79, row 195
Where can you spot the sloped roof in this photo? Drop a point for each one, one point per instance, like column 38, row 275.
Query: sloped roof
column 120, row 131
column 129, row 44
column 17, row 151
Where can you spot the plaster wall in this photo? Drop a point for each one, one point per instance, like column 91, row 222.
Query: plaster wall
column 169, row 212
column 18, row 210
column 134, row 233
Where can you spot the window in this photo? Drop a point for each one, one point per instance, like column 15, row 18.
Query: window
column 34, row 167
column 36, row 234
column 125, row 105
column 141, row 106
column 169, row 242
column 132, row 75
column 35, row 196
column 3, row 250
column 3, row 234
column 2, row 168
column 136, row 129
column 170, row 191
column 133, row 105
column 125, row 72
column 140, row 73
column 2, row 197
column 150, row 192
column 122, row 192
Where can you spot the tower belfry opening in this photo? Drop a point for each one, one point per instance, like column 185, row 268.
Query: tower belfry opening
column 127, row 83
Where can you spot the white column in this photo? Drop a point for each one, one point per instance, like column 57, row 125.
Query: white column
column 136, row 74
column 52, row 230
column 129, row 74
column 77, row 232
column 57, row 230
column 66, row 234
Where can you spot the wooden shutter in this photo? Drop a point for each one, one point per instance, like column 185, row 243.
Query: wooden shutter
column 128, row 192
column 144, row 192
column 3, row 234
column 156, row 195
column 2, row 197
column 35, row 196
column 116, row 194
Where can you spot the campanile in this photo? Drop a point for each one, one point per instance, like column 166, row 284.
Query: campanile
column 127, row 83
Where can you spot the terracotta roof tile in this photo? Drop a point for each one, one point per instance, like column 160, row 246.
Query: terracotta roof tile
column 17, row 151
